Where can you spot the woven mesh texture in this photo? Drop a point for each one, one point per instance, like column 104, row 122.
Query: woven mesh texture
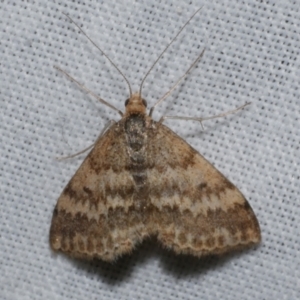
column 252, row 54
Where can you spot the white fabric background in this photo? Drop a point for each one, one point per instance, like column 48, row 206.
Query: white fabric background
column 252, row 54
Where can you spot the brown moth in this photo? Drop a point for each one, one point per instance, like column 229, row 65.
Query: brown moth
column 141, row 179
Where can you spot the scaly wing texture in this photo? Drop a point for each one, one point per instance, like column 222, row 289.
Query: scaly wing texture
column 197, row 210
column 96, row 214
column 173, row 192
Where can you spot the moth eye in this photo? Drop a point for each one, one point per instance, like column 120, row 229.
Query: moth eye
column 126, row 102
column 144, row 102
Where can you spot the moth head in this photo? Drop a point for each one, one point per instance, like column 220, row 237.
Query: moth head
column 135, row 104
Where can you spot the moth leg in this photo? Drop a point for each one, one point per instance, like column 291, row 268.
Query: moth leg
column 107, row 126
column 163, row 118
column 87, row 90
column 176, row 83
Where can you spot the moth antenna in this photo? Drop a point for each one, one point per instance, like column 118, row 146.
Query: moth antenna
column 174, row 38
column 105, row 55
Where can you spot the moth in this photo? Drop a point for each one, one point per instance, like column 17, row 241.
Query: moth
column 141, row 179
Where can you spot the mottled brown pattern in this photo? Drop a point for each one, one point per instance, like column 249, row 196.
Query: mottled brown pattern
column 141, row 179
column 190, row 235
